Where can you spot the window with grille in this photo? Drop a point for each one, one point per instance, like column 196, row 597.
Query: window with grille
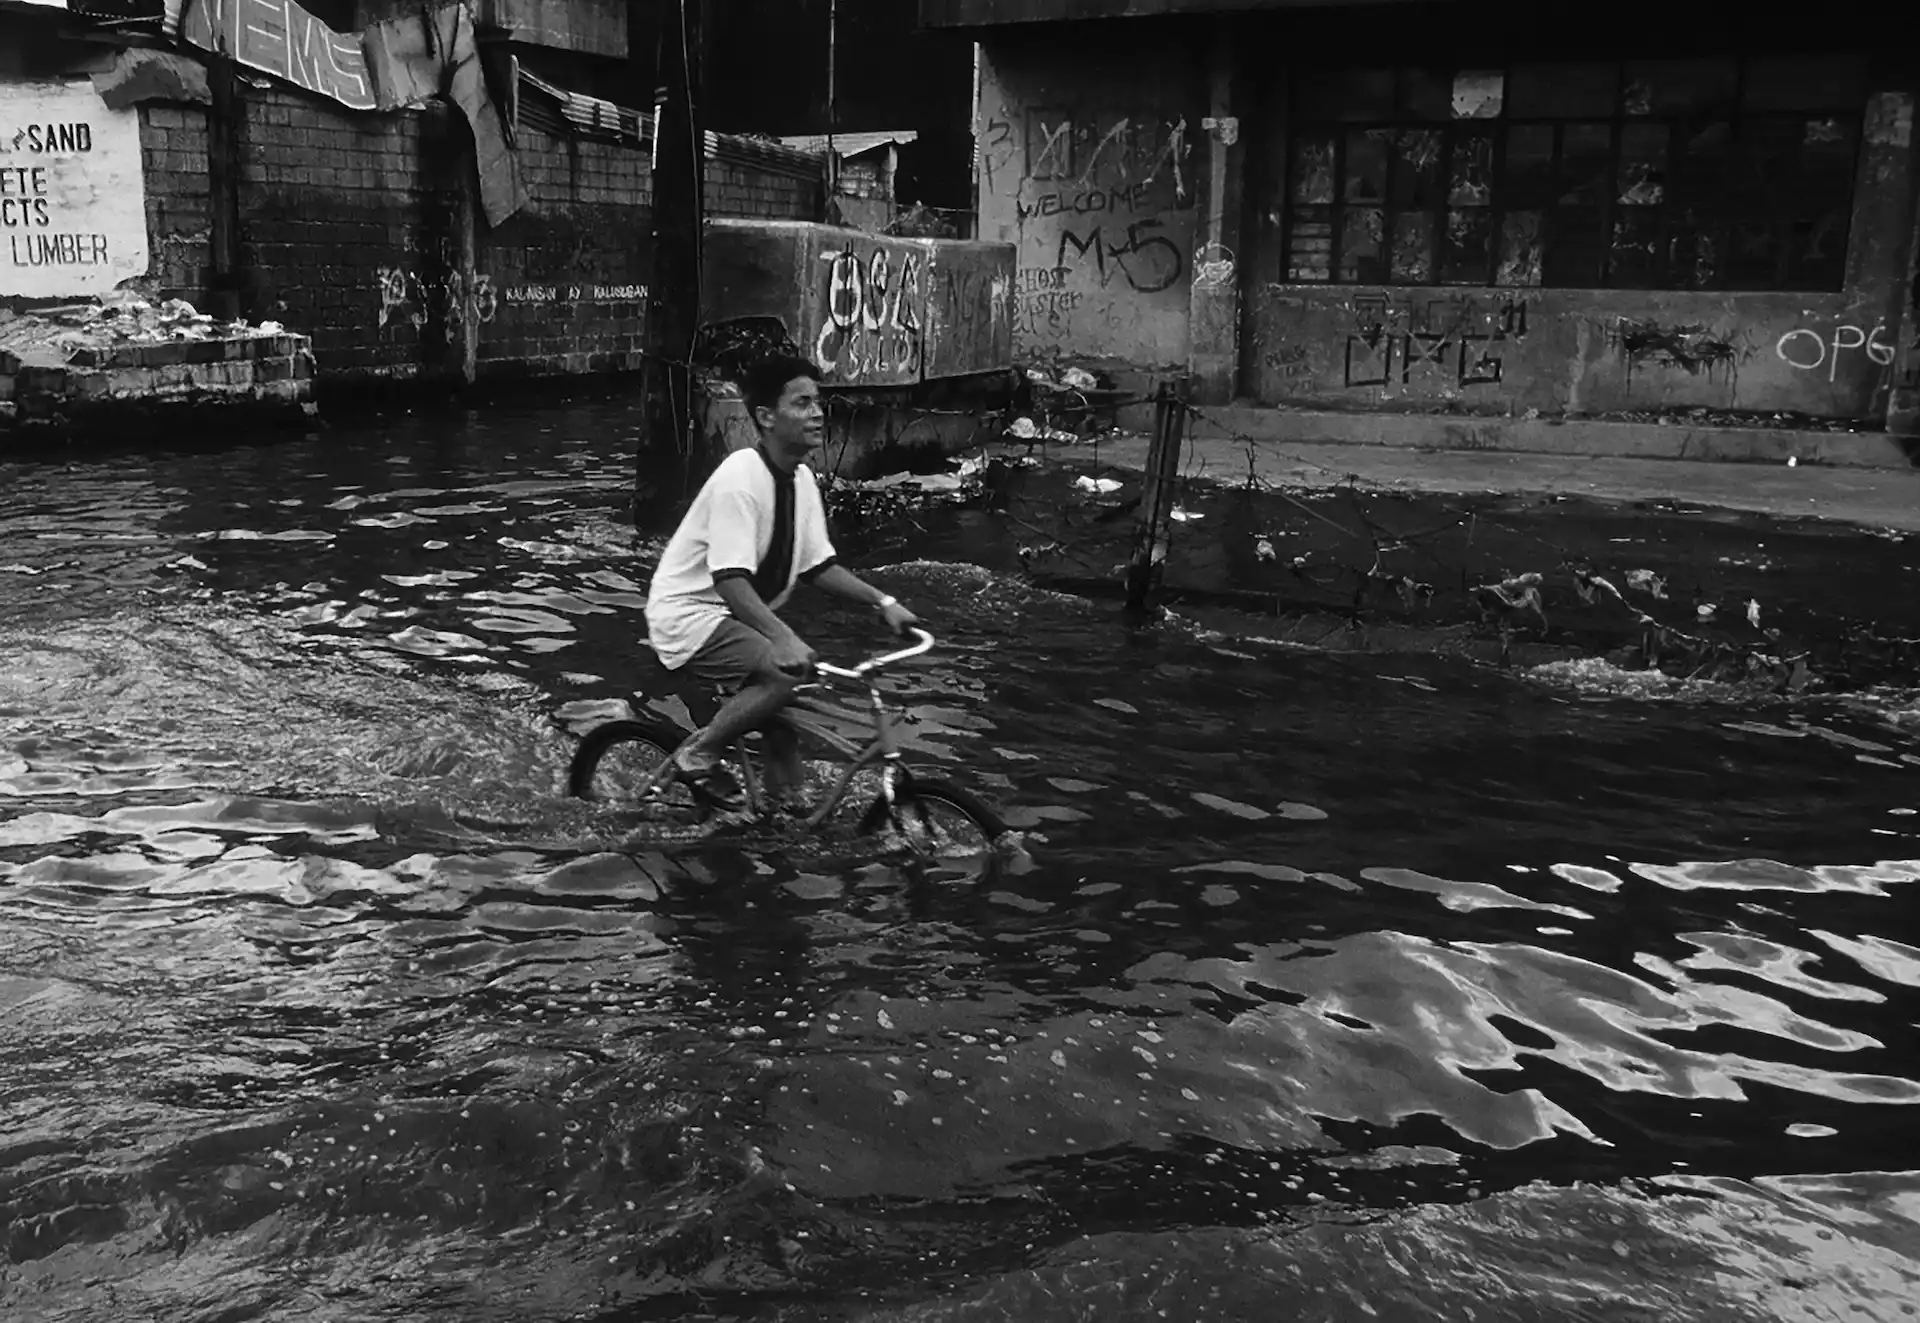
column 1725, row 174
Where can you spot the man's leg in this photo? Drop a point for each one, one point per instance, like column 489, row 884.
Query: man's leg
column 786, row 775
column 740, row 658
column 757, row 702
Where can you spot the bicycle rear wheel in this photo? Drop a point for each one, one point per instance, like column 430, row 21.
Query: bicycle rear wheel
column 938, row 821
column 615, row 760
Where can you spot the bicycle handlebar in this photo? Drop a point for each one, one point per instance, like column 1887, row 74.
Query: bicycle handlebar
column 923, row 642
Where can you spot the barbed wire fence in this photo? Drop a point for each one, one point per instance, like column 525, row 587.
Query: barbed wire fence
column 1372, row 564
column 1357, row 587
column 1519, row 599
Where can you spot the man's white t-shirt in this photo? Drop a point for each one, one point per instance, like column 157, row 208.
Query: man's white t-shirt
column 729, row 527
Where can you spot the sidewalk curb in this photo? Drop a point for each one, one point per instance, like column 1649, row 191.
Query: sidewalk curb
column 1546, row 436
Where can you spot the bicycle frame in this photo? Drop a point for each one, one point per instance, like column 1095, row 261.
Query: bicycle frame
column 805, row 714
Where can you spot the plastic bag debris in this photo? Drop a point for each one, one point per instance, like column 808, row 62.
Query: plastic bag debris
column 1647, row 582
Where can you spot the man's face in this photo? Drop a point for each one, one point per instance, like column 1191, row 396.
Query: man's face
column 793, row 427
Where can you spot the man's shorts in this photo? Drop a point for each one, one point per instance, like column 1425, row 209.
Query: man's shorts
column 731, row 654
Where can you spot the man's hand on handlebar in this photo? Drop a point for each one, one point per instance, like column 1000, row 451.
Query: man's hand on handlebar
column 793, row 656
column 898, row 618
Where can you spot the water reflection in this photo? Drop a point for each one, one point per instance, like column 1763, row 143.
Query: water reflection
column 1355, row 986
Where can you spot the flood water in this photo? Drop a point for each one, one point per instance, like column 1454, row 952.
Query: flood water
column 1337, row 988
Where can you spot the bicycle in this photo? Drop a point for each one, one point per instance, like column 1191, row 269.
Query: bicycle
column 907, row 802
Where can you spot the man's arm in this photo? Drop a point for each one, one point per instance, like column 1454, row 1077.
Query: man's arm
column 790, row 652
column 843, row 582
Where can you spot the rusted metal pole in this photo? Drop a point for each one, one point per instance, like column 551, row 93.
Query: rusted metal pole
column 1153, row 537
column 224, row 168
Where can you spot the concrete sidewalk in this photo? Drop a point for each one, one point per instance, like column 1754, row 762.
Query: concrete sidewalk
column 1872, row 497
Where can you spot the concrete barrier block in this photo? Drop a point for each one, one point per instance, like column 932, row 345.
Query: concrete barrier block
column 90, row 385
column 130, row 380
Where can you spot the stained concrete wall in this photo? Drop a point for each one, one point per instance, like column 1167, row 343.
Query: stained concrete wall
column 1511, row 349
column 1558, row 351
column 1088, row 148
column 871, row 310
column 1094, row 143
column 347, row 232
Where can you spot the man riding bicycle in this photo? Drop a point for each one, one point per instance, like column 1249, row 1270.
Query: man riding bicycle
column 756, row 529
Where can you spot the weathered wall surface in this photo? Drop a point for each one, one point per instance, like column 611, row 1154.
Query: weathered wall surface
column 563, row 284
column 1095, row 140
column 350, row 232
column 71, row 219
column 173, row 151
column 1087, row 166
column 343, row 234
column 1512, row 348
column 1580, row 351
column 870, row 310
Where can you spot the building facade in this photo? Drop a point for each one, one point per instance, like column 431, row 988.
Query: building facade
column 1478, row 208
column 427, row 192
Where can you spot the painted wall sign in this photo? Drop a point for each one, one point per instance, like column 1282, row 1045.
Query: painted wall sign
column 73, row 211
column 280, row 38
column 868, row 309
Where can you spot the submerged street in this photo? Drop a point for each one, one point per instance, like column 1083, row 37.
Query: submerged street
column 1339, row 986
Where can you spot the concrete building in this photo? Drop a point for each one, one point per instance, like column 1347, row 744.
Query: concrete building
column 1488, row 208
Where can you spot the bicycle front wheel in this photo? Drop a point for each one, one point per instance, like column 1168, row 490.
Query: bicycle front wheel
column 937, row 820
column 615, row 760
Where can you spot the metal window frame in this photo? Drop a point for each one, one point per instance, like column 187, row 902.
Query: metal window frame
column 1666, row 276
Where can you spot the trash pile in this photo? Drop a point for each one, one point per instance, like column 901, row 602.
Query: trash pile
column 876, row 500
column 57, row 335
column 1064, row 406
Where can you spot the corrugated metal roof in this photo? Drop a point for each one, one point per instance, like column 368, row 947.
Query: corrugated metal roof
column 849, row 145
column 557, row 111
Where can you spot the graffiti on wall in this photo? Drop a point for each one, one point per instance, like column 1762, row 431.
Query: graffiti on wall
column 1147, row 260
column 967, row 325
column 450, row 299
column 517, row 294
column 1044, row 302
column 1451, row 341
column 1066, row 162
column 1809, row 350
column 874, row 315
column 1102, row 202
column 1692, row 348
column 280, row 38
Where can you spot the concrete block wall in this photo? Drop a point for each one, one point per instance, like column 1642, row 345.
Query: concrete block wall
column 348, row 233
column 562, row 284
column 173, row 151
column 736, row 189
column 343, row 229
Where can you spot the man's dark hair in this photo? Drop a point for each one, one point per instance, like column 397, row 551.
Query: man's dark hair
column 764, row 380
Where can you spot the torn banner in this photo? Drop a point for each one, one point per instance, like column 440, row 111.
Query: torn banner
column 393, row 64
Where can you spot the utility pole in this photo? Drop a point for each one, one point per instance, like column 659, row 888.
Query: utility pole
column 679, row 213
